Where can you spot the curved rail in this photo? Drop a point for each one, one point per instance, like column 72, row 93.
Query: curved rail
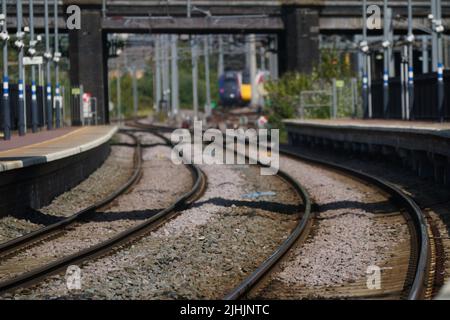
column 249, row 282
column 271, row 261
column 422, row 264
column 419, row 284
column 120, row 239
column 30, row 238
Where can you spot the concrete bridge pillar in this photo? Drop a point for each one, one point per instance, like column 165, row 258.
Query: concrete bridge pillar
column 88, row 59
column 300, row 43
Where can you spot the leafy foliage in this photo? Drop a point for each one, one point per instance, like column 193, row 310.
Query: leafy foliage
column 284, row 94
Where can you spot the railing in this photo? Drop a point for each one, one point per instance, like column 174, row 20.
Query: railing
column 338, row 99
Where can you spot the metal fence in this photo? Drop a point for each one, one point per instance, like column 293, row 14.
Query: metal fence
column 425, row 105
column 337, row 99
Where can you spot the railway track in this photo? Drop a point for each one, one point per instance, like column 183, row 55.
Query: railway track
column 415, row 279
column 15, row 247
column 305, row 215
column 286, row 180
column 31, row 239
column 412, row 260
column 416, row 266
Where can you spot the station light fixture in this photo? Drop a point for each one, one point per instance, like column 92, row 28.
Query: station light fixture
column 363, row 45
column 4, row 36
column 19, row 44
column 2, row 19
column 410, row 38
column 48, row 55
column 386, row 44
column 439, row 27
column 57, row 57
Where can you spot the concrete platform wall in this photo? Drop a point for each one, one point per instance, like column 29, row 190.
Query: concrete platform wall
column 36, row 186
column 427, row 154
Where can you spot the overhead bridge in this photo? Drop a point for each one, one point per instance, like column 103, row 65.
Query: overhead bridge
column 198, row 25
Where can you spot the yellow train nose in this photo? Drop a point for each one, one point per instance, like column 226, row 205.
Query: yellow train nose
column 246, row 92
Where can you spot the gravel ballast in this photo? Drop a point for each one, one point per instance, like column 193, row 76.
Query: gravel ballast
column 151, row 194
column 425, row 192
column 114, row 172
column 348, row 238
column 202, row 253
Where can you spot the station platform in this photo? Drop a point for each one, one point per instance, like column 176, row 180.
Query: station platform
column 36, row 168
column 422, row 146
column 46, row 146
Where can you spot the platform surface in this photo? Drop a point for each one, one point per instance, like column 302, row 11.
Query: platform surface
column 53, row 145
column 33, row 138
column 434, row 128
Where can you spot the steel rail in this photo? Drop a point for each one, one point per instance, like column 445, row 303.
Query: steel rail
column 419, row 284
column 123, row 238
column 255, row 277
column 29, row 238
column 422, row 265
column 305, row 218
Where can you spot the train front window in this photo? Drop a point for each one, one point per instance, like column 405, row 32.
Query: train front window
column 246, row 77
column 230, row 85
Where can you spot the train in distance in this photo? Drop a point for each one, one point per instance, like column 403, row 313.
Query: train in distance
column 235, row 88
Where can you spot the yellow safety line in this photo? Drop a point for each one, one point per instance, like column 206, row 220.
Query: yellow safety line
column 43, row 142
